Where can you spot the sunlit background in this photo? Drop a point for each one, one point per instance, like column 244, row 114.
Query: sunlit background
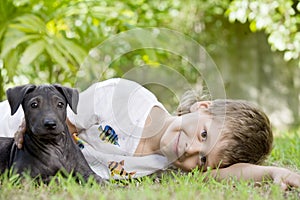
column 254, row 44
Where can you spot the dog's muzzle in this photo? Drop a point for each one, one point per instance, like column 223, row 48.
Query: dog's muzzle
column 50, row 124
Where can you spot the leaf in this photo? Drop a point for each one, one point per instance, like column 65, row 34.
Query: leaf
column 7, row 10
column 11, row 62
column 75, row 50
column 56, row 56
column 30, row 23
column 2, row 30
column 63, row 51
column 32, row 52
column 11, row 42
column 252, row 26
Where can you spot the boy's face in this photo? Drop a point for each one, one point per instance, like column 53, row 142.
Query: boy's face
column 192, row 141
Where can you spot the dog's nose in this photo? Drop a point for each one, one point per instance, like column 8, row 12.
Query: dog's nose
column 50, row 124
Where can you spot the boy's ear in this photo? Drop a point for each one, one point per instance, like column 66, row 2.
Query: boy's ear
column 200, row 105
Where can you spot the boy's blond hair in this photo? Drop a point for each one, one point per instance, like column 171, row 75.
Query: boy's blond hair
column 246, row 135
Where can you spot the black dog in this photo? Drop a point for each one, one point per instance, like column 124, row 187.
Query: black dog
column 48, row 146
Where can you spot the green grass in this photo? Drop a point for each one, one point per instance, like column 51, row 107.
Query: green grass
column 170, row 185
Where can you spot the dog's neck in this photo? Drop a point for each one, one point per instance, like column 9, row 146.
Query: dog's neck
column 37, row 144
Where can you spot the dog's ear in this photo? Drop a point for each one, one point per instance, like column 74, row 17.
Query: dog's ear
column 16, row 95
column 71, row 95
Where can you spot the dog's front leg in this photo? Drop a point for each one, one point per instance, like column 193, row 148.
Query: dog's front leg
column 5, row 151
column 82, row 167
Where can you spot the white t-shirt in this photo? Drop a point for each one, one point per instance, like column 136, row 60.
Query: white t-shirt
column 111, row 117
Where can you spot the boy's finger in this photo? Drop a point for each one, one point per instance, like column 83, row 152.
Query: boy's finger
column 19, row 139
column 283, row 186
column 279, row 181
column 295, row 181
column 20, row 143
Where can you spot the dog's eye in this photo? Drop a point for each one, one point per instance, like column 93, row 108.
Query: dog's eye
column 34, row 105
column 60, row 104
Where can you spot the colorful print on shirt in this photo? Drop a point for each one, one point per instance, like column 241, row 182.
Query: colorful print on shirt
column 78, row 141
column 117, row 168
column 108, row 134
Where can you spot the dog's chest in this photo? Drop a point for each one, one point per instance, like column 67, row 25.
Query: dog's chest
column 43, row 163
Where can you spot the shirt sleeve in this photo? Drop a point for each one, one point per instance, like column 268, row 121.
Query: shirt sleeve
column 86, row 116
column 92, row 104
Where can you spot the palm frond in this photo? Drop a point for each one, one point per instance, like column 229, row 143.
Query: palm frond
column 32, row 52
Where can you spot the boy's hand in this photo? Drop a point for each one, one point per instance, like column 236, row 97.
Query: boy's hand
column 19, row 135
column 285, row 178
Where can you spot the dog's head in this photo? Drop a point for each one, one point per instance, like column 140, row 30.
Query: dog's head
column 44, row 107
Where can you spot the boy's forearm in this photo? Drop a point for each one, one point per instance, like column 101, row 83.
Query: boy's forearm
column 244, row 171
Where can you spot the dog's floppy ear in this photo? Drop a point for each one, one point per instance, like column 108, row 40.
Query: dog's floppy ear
column 71, row 95
column 16, row 95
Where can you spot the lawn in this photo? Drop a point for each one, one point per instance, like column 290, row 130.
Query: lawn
column 169, row 185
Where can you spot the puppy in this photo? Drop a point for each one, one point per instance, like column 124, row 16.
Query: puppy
column 48, row 146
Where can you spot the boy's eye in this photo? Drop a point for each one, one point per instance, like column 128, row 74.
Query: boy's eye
column 204, row 134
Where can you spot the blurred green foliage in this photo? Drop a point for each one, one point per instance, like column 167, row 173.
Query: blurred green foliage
column 47, row 41
column 280, row 19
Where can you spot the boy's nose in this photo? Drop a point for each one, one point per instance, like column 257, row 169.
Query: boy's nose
column 193, row 147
